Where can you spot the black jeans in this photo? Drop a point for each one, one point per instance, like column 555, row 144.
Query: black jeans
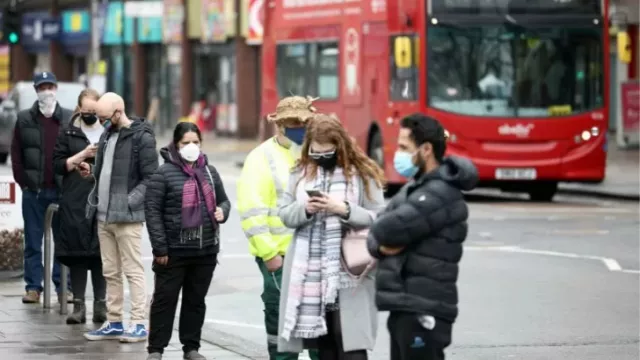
column 411, row 341
column 330, row 345
column 78, row 275
column 193, row 275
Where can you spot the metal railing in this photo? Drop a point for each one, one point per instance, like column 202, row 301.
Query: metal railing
column 48, row 265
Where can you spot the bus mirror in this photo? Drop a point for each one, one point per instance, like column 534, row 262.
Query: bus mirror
column 402, row 52
column 624, row 47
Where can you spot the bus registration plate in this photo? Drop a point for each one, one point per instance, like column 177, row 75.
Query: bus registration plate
column 516, row 174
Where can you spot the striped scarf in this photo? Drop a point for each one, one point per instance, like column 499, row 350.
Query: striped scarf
column 192, row 218
column 316, row 273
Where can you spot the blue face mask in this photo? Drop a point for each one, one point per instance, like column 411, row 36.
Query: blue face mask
column 403, row 162
column 295, row 134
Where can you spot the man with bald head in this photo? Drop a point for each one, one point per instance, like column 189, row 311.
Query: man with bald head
column 125, row 161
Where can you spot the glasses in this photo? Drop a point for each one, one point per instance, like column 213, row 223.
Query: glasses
column 320, row 155
column 108, row 118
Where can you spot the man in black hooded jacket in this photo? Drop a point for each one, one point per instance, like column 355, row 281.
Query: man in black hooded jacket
column 418, row 241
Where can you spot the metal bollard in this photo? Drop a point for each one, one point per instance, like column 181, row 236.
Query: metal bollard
column 48, row 265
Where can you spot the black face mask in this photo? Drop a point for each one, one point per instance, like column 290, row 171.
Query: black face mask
column 327, row 163
column 89, row 119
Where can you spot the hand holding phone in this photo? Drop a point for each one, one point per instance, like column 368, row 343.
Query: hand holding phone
column 314, row 193
column 313, row 204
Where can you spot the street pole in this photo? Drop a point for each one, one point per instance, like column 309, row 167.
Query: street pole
column 123, row 51
column 96, row 25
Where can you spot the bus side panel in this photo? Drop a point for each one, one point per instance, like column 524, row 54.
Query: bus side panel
column 374, row 79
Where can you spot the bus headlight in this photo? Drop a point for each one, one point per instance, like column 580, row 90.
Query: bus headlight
column 586, row 135
column 595, row 131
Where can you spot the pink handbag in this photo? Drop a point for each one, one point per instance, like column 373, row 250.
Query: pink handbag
column 355, row 258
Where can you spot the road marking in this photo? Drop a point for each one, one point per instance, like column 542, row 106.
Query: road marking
column 611, row 264
column 554, row 210
column 234, row 323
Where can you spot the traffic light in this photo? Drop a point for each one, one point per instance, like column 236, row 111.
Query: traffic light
column 11, row 24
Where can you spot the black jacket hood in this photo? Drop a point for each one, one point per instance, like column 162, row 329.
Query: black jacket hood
column 457, row 171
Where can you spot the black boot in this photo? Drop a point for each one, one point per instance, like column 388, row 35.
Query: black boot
column 79, row 314
column 99, row 311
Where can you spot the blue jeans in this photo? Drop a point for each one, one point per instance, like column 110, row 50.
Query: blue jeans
column 34, row 206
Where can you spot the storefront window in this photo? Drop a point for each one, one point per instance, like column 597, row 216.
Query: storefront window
column 119, row 73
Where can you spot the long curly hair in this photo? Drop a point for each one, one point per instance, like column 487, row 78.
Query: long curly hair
column 326, row 129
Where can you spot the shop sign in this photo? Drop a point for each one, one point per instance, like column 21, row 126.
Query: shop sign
column 150, row 30
column 10, row 204
column 76, row 31
column 173, row 20
column 118, row 28
column 38, row 29
column 76, row 26
column 255, row 21
column 213, row 21
column 5, row 83
column 630, row 92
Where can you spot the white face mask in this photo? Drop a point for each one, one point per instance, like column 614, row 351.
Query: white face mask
column 47, row 102
column 190, row 152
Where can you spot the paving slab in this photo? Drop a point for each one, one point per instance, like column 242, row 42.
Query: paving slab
column 27, row 332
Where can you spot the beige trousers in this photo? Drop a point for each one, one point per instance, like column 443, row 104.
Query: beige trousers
column 120, row 251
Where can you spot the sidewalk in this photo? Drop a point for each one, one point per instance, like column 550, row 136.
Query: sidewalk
column 29, row 333
column 622, row 178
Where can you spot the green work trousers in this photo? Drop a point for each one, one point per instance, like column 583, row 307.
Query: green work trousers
column 271, row 299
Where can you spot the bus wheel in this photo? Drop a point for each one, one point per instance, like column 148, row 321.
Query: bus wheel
column 375, row 148
column 543, row 192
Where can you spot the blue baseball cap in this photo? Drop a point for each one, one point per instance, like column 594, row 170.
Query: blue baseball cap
column 44, row 77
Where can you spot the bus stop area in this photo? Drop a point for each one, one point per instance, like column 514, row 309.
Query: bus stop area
column 28, row 332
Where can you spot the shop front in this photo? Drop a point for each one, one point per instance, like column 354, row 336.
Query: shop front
column 75, row 39
column 39, row 28
column 116, row 45
column 149, row 38
column 211, row 29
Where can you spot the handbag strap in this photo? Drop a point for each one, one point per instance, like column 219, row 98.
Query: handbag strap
column 372, row 263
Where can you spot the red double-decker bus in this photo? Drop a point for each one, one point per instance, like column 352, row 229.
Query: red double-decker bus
column 521, row 86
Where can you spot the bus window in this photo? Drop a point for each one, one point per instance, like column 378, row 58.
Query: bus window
column 308, row 69
column 403, row 67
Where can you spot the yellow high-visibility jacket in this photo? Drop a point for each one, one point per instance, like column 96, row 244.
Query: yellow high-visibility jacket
column 263, row 181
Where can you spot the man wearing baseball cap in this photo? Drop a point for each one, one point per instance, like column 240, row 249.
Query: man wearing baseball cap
column 34, row 138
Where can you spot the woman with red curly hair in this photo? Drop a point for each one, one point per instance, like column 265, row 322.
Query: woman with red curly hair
column 333, row 188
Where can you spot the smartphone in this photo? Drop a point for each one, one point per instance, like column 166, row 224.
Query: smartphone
column 314, row 193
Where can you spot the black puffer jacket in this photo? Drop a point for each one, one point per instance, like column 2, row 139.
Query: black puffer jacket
column 78, row 237
column 163, row 211
column 428, row 217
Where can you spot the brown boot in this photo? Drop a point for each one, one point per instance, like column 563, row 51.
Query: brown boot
column 31, row 297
